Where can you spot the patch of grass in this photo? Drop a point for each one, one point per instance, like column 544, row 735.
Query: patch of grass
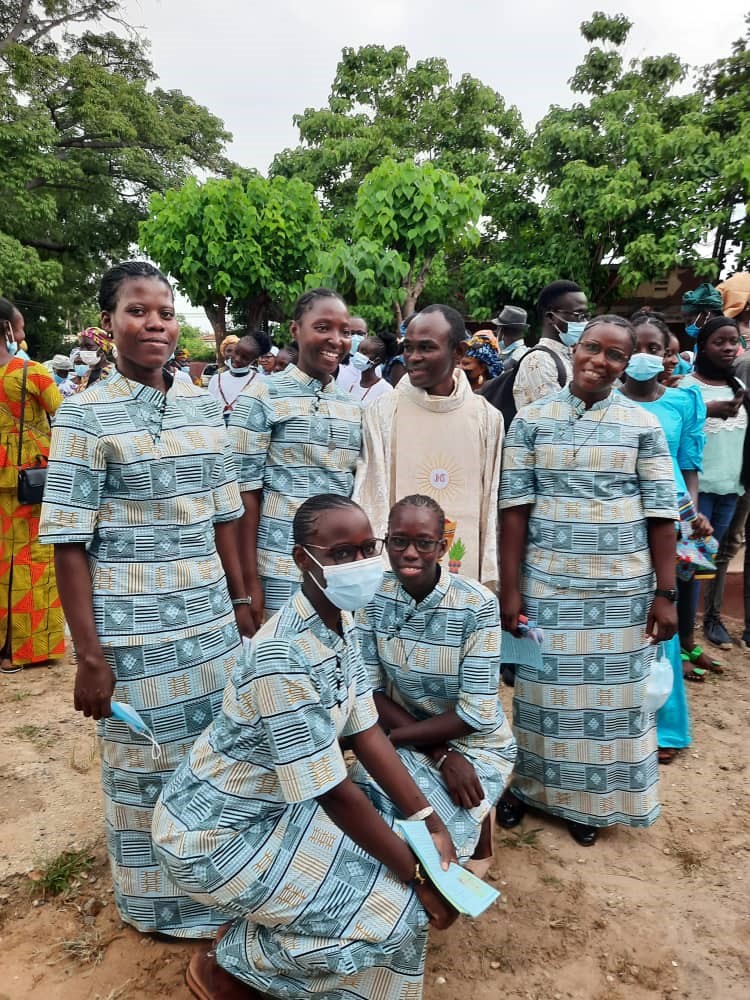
column 58, row 875
column 116, row 994
column 524, row 838
column 552, row 880
column 38, row 735
column 21, row 695
column 690, row 859
column 86, row 949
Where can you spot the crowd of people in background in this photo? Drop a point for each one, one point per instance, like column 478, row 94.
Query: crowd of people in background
column 307, row 572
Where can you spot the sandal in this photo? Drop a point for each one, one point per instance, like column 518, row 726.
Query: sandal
column 695, row 674
column 696, row 654
column 667, row 754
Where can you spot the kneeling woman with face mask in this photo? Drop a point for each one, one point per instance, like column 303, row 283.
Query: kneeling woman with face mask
column 263, row 822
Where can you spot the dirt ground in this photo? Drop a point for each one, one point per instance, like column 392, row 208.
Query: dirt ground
column 644, row 914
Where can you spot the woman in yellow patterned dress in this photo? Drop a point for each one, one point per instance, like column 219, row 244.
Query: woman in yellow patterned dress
column 31, row 618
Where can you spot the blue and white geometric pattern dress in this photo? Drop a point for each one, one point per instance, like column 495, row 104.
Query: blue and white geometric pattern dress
column 443, row 655
column 293, row 438
column 140, row 479
column 240, row 828
column 593, row 478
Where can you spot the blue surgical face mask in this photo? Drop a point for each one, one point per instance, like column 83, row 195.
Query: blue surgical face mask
column 127, row 714
column 11, row 347
column 352, row 585
column 642, row 367
column 59, row 379
column 81, row 370
column 361, row 362
column 683, row 366
column 357, row 339
column 237, row 369
column 573, row 334
column 692, row 330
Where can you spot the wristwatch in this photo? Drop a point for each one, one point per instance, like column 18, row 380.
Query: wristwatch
column 671, row 595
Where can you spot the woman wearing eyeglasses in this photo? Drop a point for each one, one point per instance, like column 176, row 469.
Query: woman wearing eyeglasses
column 431, row 643
column 264, row 821
column 588, row 551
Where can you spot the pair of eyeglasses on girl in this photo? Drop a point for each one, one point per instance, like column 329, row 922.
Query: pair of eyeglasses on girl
column 348, row 553
column 611, row 354
column 400, row 543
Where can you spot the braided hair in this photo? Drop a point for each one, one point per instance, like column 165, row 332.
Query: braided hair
column 419, row 500
column 303, row 525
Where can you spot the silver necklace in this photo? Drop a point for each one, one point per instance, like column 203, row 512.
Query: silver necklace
column 573, row 424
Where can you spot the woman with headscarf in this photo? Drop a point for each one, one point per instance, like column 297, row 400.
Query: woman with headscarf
column 735, row 297
column 31, row 618
column 724, row 459
column 480, row 363
column 698, row 306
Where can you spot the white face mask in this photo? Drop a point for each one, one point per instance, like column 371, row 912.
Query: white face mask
column 361, row 362
column 351, row 585
column 89, row 358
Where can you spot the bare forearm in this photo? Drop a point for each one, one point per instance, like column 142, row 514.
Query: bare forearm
column 514, row 527
column 227, row 545
column 352, row 812
column 378, row 757
column 76, row 596
column 390, row 714
column 691, row 481
column 248, row 534
column 428, row 732
column 662, row 541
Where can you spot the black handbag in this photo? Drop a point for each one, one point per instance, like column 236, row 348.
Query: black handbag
column 30, row 481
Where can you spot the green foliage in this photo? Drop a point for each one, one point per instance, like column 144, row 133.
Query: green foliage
column 405, row 215
column 380, row 106
column 58, row 875
column 85, row 138
column 246, row 243
column 191, row 339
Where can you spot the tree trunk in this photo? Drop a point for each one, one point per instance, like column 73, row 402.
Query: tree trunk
column 256, row 310
column 217, row 317
column 413, row 291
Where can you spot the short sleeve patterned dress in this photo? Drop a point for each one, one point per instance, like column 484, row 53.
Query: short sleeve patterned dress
column 240, row 828
column 593, row 478
column 140, row 479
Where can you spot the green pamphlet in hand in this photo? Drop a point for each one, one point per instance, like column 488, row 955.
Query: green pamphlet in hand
column 469, row 894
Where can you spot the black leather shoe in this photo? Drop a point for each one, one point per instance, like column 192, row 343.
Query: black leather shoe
column 510, row 811
column 584, row 835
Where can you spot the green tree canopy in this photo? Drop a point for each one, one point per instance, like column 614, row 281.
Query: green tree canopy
column 380, row 106
column 86, row 136
column 406, row 214
column 242, row 245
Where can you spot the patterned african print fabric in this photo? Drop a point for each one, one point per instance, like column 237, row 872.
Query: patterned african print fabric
column 435, row 656
column 140, row 479
column 30, row 607
column 294, row 439
column 593, row 477
column 239, row 827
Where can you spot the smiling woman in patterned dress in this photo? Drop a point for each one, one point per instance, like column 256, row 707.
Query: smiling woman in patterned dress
column 589, row 505
column 141, row 505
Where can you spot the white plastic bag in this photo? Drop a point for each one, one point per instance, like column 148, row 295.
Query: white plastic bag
column 658, row 684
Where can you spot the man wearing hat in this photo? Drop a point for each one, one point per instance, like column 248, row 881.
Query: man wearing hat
column 512, row 327
column 62, row 371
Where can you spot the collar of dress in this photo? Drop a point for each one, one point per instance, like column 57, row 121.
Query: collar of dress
column 461, row 394
column 432, row 600
column 293, row 372
column 579, row 407
column 320, row 630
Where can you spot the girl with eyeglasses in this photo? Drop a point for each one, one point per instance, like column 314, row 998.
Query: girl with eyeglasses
column 431, row 643
column 588, row 551
column 265, row 822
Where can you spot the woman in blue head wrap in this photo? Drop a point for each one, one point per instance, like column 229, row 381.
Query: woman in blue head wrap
column 480, row 363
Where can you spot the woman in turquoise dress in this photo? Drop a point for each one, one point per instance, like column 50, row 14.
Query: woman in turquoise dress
column 141, row 504
column 294, row 436
column 431, row 644
column 588, row 552
column 263, row 820
column 682, row 414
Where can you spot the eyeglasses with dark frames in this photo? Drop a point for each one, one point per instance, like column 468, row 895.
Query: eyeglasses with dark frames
column 348, row 553
column 400, row 543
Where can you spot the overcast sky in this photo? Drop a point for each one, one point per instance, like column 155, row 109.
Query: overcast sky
column 256, row 63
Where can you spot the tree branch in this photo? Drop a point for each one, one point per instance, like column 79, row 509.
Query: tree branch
column 46, row 245
column 20, row 24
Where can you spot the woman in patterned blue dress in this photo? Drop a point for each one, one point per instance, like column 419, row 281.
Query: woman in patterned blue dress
column 295, row 435
column 589, row 506
column 263, row 821
column 141, row 504
column 431, row 643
